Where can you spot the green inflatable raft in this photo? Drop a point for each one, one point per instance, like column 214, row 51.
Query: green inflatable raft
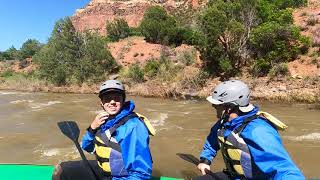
column 36, row 172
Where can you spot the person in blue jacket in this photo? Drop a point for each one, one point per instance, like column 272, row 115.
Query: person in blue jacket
column 118, row 137
column 249, row 142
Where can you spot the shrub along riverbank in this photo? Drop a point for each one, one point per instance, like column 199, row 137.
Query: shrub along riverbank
column 284, row 89
column 252, row 40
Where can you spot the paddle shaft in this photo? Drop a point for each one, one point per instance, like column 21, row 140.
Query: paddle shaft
column 71, row 130
column 85, row 160
column 192, row 159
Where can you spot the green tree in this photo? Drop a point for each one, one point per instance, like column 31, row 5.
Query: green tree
column 96, row 61
column 1, row 56
column 236, row 31
column 226, row 27
column 276, row 43
column 158, row 26
column 51, row 67
column 71, row 57
column 268, row 8
column 118, row 29
column 10, row 54
column 283, row 4
column 59, row 57
column 29, row 48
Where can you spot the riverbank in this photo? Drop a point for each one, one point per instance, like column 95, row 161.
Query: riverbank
column 285, row 89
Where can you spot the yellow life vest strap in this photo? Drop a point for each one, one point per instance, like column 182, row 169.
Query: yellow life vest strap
column 146, row 121
column 276, row 122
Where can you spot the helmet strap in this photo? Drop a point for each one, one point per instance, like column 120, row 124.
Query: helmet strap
column 229, row 108
column 224, row 117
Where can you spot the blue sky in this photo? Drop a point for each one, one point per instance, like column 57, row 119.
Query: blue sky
column 21, row 20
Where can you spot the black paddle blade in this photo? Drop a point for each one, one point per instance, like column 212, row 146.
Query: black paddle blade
column 189, row 157
column 70, row 129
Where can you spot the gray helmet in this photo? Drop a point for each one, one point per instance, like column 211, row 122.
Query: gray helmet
column 235, row 92
column 111, row 85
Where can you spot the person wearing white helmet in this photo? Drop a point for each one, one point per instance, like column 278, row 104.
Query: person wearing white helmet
column 248, row 139
column 118, row 137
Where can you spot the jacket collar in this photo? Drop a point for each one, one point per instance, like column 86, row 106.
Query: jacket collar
column 234, row 123
column 127, row 109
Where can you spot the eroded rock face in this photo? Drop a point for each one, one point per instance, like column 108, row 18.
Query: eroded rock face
column 98, row 12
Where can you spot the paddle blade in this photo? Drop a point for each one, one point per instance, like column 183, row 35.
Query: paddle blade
column 69, row 129
column 189, row 157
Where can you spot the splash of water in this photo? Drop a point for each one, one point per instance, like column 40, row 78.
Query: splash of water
column 309, row 137
column 159, row 121
column 21, row 101
column 42, row 105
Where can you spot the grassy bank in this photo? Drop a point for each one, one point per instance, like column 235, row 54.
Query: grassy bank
column 284, row 90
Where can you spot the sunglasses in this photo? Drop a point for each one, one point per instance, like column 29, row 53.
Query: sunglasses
column 117, row 97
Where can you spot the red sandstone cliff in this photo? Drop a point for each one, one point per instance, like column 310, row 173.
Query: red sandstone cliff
column 95, row 15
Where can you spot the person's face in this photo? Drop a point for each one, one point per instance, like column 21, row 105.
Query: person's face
column 112, row 102
column 219, row 109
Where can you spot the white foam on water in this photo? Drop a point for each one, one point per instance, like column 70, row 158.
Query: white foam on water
column 7, row 93
column 10, row 93
column 42, row 105
column 72, row 154
column 21, row 101
column 309, row 137
column 177, row 127
column 164, row 128
column 159, row 121
column 67, row 153
column 45, row 152
column 79, row 101
column 20, row 124
column 50, row 152
column 37, row 109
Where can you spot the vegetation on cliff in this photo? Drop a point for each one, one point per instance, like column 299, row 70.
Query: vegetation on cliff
column 231, row 36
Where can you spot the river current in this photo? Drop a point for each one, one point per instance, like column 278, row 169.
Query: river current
column 29, row 132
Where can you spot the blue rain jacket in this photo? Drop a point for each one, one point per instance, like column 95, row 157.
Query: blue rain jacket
column 271, row 160
column 133, row 138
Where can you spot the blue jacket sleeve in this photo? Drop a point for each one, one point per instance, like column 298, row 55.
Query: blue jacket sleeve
column 135, row 151
column 268, row 151
column 211, row 145
column 87, row 142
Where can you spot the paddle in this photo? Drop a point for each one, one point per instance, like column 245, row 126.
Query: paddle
column 192, row 159
column 71, row 130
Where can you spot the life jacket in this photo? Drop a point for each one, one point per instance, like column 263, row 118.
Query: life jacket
column 235, row 151
column 108, row 151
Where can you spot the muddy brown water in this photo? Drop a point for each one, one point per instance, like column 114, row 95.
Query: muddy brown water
column 29, row 134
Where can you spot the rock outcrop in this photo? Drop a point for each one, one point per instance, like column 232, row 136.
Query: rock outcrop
column 98, row 12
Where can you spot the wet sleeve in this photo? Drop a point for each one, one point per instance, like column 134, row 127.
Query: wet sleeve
column 87, row 142
column 211, row 145
column 136, row 153
column 269, row 153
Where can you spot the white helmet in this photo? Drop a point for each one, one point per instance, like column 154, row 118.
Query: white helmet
column 111, row 85
column 235, row 92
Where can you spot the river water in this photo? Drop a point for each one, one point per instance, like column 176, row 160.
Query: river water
column 29, row 134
